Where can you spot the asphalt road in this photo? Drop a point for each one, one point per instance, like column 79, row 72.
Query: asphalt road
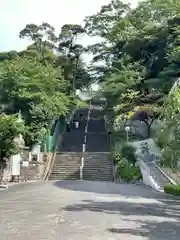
column 87, row 210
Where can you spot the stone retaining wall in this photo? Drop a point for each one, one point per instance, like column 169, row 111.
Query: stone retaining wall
column 34, row 171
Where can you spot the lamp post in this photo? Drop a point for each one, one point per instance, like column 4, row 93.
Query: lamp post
column 127, row 129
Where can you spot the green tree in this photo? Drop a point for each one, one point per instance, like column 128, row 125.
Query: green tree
column 140, row 51
column 38, row 91
column 42, row 36
column 10, row 128
column 70, row 56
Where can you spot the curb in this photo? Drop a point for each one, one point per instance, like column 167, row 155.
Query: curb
column 3, row 187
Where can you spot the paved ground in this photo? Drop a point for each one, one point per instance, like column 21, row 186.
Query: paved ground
column 87, row 210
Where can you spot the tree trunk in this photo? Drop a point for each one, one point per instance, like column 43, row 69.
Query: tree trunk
column 148, row 127
column 1, row 170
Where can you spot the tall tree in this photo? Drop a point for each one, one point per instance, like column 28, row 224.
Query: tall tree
column 38, row 91
column 139, row 48
column 41, row 35
column 70, row 54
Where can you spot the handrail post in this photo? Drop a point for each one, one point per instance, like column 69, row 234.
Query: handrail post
column 82, row 161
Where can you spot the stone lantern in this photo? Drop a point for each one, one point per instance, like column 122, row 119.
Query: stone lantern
column 16, row 158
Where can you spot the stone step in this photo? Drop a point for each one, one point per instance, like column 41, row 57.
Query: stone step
column 97, row 171
column 85, row 176
column 59, row 164
column 97, row 163
column 97, row 179
column 67, row 158
column 65, row 170
column 65, row 174
column 71, row 158
column 95, row 166
column 68, row 177
column 104, row 170
column 66, row 166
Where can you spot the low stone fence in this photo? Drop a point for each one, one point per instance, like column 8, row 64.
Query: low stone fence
column 34, row 171
column 31, row 171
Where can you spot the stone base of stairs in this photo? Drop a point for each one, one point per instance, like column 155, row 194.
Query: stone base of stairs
column 98, row 167
column 66, row 166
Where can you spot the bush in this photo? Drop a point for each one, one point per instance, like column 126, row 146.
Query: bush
column 123, row 150
column 128, row 172
column 128, row 152
column 172, row 189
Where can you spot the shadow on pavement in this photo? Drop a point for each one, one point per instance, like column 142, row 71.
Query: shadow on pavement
column 152, row 230
column 155, row 221
column 126, row 190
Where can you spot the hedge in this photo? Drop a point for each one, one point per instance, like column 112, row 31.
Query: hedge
column 172, row 189
column 128, row 172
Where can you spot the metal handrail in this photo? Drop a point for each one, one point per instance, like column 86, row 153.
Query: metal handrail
column 164, row 174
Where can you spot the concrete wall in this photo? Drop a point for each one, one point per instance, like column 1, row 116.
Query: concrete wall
column 7, row 172
column 152, row 153
column 34, row 171
column 147, row 178
column 148, row 145
column 140, row 128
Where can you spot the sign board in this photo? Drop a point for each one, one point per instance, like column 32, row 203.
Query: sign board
column 36, row 149
column 25, row 163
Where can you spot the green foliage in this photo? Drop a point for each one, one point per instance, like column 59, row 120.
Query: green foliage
column 172, row 189
column 168, row 137
column 9, row 129
column 126, row 162
column 37, row 90
column 128, row 152
column 122, row 150
column 81, row 104
column 38, row 82
column 128, row 172
column 140, row 49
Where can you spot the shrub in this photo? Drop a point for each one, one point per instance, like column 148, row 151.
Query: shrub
column 128, row 152
column 123, row 150
column 172, row 189
column 128, row 172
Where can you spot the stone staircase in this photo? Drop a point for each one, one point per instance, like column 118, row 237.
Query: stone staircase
column 97, row 167
column 157, row 176
column 97, row 163
column 66, row 166
column 149, row 155
column 67, row 161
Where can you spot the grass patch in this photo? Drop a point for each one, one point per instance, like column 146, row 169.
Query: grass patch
column 128, row 172
column 172, row 189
